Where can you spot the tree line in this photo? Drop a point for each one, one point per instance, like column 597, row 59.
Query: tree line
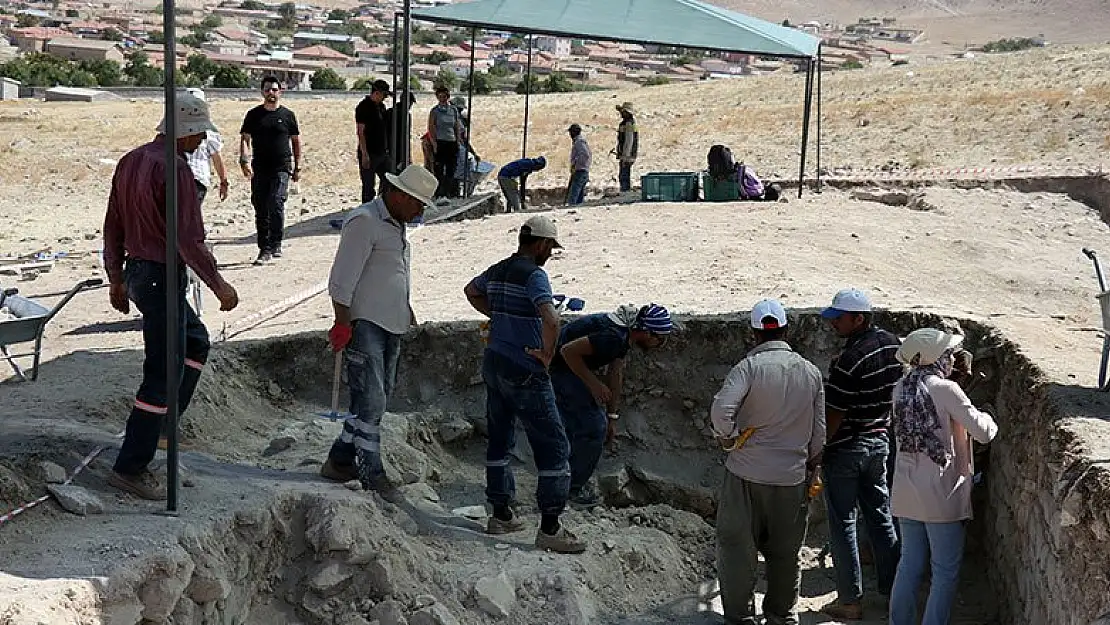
column 39, row 69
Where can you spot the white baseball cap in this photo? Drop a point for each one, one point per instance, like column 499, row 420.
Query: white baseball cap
column 543, row 227
column 768, row 308
column 926, row 345
column 850, row 300
column 192, row 116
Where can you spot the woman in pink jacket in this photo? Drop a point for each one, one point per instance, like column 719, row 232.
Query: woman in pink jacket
column 931, row 494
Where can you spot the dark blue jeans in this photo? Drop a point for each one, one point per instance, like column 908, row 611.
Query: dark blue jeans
column 585, row 422
column 371, row 357
column 513, row 392
column 855, row 473
column 576, row 191
column 269, row 188
column 146, row 287
column 626, row 177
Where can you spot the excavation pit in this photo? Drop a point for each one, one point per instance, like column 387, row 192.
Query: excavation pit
column 262, row 540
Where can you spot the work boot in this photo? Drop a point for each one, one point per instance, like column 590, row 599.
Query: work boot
column 339, row 472
column 843, row 611
column 585, row 498
column 144, row 485
column 496, row 526
column 263, row 258
column 276, row 252
column 562, row 541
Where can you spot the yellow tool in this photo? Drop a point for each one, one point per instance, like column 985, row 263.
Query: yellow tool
column 739, row 441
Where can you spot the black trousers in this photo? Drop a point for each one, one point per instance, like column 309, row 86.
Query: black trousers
column 374, row 175
column 447, row 157
column 268, row 192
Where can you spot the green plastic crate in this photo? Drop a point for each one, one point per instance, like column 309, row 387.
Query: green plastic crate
column 669, row 187
column 720, row 190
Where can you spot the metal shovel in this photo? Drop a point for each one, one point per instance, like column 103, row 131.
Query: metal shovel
column 334, row 414
column 1104, row 304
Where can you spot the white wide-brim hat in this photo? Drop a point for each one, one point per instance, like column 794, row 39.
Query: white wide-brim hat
column 927, row 345
column 416, row 182
column 191, row 118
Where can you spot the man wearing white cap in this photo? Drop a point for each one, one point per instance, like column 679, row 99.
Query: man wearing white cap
column 134, row 258
column 858, row 400
column 524, row 330
column 370, row 289
column 770, row 413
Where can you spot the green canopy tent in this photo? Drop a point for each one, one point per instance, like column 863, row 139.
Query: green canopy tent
column 686, row 24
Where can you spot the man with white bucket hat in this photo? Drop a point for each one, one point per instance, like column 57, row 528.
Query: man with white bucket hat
column 370, row 289
column 134, row 258
column 771, row 412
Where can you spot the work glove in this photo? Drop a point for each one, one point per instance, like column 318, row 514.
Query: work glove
column 339, row 336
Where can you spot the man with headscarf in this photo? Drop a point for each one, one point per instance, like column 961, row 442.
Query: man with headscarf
column 590, row 407
column 515, row 294
column 856, row 472
column 771, row 414
column 628, row 144
column 933, row 420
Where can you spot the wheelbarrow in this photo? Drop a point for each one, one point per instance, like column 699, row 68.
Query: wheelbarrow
column 1103, row 298
column 25, row 322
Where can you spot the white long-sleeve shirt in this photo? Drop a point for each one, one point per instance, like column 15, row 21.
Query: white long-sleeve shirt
column 781, row 395
column 370, row 274
column 922, row 490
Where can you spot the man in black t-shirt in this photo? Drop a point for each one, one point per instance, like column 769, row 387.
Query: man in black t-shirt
column 271, row 132
column 374, row 158
column 586, row 345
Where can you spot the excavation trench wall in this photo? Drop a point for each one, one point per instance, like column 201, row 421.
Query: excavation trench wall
column 1043, row 513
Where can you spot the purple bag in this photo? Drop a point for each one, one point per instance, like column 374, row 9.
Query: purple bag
column 751, row 187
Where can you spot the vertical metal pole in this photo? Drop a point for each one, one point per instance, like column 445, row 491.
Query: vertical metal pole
column 819, row 72
column 805, row 124
column 173, row 303
column 469, row 112
column 398, row 109
column 405, row 136
column 527, row 99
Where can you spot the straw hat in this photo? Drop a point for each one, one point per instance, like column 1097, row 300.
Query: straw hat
column 416, row 182
column 627, row 107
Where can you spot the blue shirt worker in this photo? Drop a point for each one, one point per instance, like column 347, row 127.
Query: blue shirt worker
column 589, row 406
column 524, row 329
column 512, row 177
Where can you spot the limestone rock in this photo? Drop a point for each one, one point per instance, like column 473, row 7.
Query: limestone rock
column 76, row 500
column 456, row 429
column 496, row 595
column 389, row 613
column 330, row 579
column 435, row 614
column 203, row 589
column 280, row 444
column 381, row 577
column 890, row 198
column 52, row 473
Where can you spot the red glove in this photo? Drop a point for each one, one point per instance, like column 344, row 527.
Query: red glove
column 339, row 336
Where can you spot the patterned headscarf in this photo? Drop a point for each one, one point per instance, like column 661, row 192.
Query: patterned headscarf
column 916, row 422
column 651, row 318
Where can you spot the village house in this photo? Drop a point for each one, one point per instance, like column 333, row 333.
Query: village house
column 323, row 55
column 90, row 28
column 34, row 38
column 85, row 50
column 559, row 46
column 305, row 39
column 236, row 48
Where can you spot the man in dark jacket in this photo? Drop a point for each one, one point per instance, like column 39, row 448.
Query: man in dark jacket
column 628, row 144
column 374, row 158
column 512, row 177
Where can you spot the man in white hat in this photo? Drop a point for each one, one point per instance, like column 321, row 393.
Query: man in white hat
column 771, row 415
column 628, row 144
column 524, row 330
column 858, row 400
column 370, row 288
column 134, row 258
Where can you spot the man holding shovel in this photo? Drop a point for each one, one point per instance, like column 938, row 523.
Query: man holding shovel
column 369, row 287
column 770, row 413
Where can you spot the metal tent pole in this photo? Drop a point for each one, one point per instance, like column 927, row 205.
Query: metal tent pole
column 819, row 72
column 527, row 100
column 469, row 112
column 405, row 137
column 805, row 125
column 395, row 143
column 173, row 303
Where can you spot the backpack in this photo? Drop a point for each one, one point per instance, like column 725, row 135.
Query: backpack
column 721, row 164
column 751, row 187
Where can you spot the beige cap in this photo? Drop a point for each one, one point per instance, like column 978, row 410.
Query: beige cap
column 543, row 227
column 417, row 182
column 627, row 107
column 192, row 116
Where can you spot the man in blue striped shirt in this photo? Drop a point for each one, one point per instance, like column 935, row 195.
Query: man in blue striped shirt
column 524, row 327
column 858, row 399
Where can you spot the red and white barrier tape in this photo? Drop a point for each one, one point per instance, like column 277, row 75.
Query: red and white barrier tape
column 940, row 173
column 253, row 319
column 27, row 506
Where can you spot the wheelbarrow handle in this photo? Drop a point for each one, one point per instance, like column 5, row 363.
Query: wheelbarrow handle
column 1089, row 253
column 92, row 282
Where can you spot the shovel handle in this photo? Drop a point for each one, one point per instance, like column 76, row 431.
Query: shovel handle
column 335, row 382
